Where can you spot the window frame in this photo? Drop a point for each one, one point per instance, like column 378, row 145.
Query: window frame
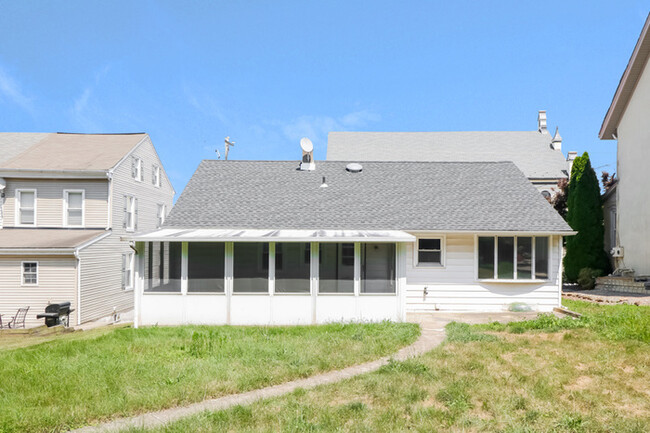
column 22, row 273
column 443, row 255
column 134, row 224
column 66, row 193
column 161, row 215
column 515, row 279
column 156, row 176
column 137, row 173
column 18, row 200
column 128, row 259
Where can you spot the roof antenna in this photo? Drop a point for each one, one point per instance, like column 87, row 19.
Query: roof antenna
column 218, row 154
column 228, row 144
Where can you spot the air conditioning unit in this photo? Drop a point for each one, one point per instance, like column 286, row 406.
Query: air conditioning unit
column 617, row 252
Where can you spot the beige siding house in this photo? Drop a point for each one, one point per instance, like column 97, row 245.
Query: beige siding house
column 65, row 201
column 627, row 122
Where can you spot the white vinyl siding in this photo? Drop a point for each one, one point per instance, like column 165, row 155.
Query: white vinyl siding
column 101, row 278
column 455, row 287
column 50, row 201
column 57, row 282
column 73, row 203
column 26, row 207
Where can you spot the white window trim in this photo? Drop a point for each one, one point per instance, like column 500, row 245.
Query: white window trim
column 156, row 170
column 138, row 169
column 130, row 228
column 129, row 271
column 443, row 250
column 161, row 214
column 66, row 192
column 17, row 200
column 496, row 260
column 22, row 273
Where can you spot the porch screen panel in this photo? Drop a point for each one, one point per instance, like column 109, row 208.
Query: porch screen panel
column 250, row 267
column 505, row 256
column 541, row 258
column 164, row 265
column 486, row 257
column 524, row 258
column 292, row 267
column 336, row 268
column 377, row 268
column 205, row 267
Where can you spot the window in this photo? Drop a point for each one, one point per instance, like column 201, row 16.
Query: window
column 250, row 267
column 163, row 269
column 336, row 268
column 73, row 215
column 127, row 271
column 161, row 214
column 155, row 175
column 429, row 252
column 29, row 273
column 292, row 273
column 136, row 169
column 377, row 268
column 512, row 257
column 26, row 208
column 205, row 267
column 130, row 221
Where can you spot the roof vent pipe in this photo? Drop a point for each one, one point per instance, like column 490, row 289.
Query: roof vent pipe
column 307, row 162
column 354, row 167
column 541, row 121
column 323, row 185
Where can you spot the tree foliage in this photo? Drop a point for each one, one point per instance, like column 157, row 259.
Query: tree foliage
column 561, row 197
column 584, row 215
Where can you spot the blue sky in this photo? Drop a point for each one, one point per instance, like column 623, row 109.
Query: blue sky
column 269, row 72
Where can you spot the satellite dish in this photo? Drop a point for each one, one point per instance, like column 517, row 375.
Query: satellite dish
column 306, row 144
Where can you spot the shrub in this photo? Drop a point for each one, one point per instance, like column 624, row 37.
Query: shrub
column 585, row 215
column 587, row 278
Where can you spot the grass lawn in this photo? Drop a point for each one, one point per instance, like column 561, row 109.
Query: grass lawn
column 80, row 378
column 545, row 375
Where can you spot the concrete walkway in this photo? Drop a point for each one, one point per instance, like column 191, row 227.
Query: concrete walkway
column 433, row 333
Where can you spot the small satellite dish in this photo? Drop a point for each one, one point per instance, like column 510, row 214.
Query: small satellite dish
column 306, row 144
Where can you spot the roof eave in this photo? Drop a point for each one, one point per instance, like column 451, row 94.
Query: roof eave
column 47, row 174
column 626, row 85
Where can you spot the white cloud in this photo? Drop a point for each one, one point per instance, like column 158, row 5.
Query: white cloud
column 10, row 90
column 316, row 128
column 205, row 105
column 83, row 112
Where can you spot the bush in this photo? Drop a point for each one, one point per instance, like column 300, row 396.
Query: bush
column 587, row 278
column 585, row 215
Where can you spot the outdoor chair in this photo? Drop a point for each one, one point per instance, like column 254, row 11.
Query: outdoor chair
column 19, row 319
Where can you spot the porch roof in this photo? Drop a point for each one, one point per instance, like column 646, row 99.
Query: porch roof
column 222, row 235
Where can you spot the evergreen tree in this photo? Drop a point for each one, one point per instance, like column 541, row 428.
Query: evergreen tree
column 585, row 215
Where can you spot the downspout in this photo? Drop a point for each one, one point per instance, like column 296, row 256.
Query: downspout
column 76, row 254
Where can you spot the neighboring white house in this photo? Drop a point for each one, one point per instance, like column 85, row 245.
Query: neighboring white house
column 627, row 122
column 536, row 153
column 65, row 200
column 282, row 242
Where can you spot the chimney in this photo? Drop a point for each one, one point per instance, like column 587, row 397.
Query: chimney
column 541, row 121
column 569, row 158
column 556, row 143
column 307, row 161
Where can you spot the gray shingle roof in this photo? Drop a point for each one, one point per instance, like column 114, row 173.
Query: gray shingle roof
column 448, row 196
column 530, row 150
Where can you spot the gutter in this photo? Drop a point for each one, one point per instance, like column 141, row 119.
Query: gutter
column 28, row 173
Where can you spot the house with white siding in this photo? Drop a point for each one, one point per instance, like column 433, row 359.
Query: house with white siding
column 626, row 122
column 289, row 242
column 537, row 153
column 65, row 201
